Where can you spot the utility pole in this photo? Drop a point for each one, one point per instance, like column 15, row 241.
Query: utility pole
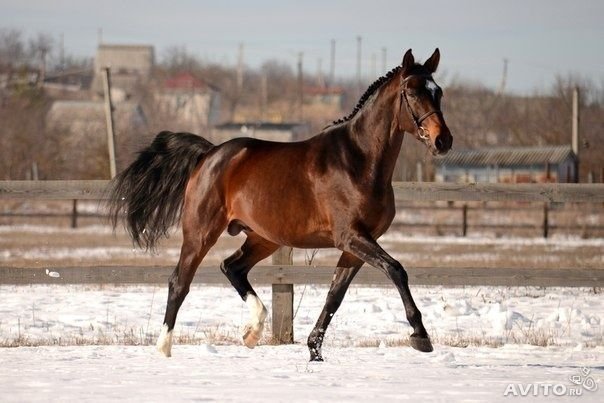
column 575, row 130
column 504, row 77
column 109, row 119
column 264, row 95
column 300, row 86
column 373, row 66
column 359, row 42
column 332, row 63
column 238, row 83
column 62, row 53
column 384, row 60
column 320, row 79
column 240, row 70
column 43, row 53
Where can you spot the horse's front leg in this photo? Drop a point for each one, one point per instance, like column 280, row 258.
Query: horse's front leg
column 367, row 249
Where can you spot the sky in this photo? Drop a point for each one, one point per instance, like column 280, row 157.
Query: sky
column 540, row 38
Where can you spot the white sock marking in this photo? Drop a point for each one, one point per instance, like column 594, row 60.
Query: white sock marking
column 164, row 342
column 257, row 310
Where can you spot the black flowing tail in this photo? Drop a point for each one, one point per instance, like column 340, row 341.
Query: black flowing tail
column 148, row 195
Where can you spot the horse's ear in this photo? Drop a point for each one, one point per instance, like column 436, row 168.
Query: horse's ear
column 432, row 63
column 408, row 61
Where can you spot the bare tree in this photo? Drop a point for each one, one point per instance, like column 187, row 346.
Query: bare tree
column 12, row 50
column 177, row 58
column 39, row 50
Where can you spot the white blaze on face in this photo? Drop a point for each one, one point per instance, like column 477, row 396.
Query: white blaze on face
column 432, row 88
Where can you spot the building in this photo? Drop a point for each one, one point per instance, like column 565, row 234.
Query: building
column 131, row 65
column 85, row 117
column 325, row 96
column 191, row 103
column 82, row 130
column 71, row 83
column 284, row 132
column 508, row 165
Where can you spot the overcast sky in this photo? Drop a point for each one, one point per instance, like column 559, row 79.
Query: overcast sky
column 540, row 38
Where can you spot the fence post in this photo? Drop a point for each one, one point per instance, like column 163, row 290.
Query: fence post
column 283, row 301
column 464, row 224
column 74, row 214
column 545, row 220
column 109, row 119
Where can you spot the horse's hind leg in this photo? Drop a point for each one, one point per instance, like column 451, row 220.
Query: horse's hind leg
column 236, row 267
column 348, row 267
column 198, row 237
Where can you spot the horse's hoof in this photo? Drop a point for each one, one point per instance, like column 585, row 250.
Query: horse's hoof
column 251, row 337
column 422, row 344
column 316, row 358
column 164, row 351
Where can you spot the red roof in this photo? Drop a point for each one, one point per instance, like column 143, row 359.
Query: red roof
column 324, row 90
column 185, row 81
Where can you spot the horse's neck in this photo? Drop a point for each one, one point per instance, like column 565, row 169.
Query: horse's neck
column 375, row 130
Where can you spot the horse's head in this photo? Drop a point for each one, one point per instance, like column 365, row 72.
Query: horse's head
column 420, row 104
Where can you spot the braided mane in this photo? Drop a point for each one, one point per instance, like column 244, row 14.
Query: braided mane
column 372, row 88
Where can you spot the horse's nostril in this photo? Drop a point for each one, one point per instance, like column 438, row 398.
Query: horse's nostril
column 443, row 143
column 439, row 143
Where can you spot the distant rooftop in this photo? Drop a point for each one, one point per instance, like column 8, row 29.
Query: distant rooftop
column 259, row 126
column 324, row 90
column 187, row 81
column 126, row 47
column 507, row 156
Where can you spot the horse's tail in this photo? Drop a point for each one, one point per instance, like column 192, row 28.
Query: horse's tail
column 148, row 195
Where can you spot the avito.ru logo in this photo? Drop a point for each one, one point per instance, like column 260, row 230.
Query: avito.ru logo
column 579, row 383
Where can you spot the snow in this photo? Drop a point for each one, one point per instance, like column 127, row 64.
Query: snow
column 46, row 314
column 97, row 342
column 282, row 373
column 365, row 357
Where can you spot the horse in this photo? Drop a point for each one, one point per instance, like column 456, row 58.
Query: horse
column 331, row 190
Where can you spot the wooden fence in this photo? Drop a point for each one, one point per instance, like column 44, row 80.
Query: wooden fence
column 283, row 275
column 542, row 192
column 532, row 219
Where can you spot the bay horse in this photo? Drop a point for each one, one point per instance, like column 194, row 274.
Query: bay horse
column 332, row 190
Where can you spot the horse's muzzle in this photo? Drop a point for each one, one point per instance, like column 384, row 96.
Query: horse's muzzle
column 443, row 143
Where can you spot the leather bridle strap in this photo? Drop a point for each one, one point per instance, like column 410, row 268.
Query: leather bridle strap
column 425, row 115
column 416, row 120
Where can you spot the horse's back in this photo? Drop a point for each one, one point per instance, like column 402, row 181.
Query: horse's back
column 267, row 187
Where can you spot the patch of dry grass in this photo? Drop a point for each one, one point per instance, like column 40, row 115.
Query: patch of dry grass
column 218, row 336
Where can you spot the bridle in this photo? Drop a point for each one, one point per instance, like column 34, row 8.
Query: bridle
column 421, row 131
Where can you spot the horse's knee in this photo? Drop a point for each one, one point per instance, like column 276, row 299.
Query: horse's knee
column 178, row 292
column 398, row 273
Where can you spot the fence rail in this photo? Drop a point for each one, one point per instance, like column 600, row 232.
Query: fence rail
column 419, row 191
column 457, row 219
column 289, row 274
column 282, row 275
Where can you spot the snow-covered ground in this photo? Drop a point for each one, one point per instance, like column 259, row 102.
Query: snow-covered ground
column 59, row 314
column 366, row 358
column 282, row 374
column 94, row 342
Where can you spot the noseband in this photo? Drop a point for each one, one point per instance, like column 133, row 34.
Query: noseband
column 421, row 131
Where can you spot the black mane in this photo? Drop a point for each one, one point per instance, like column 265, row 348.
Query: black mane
column 370, row 90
